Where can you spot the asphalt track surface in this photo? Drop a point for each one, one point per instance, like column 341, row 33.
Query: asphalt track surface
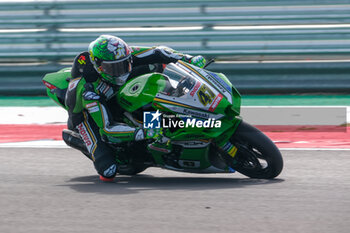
column 57, row 190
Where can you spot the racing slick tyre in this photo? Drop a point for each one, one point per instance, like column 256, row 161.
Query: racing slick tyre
column 257, row 156
column 131, row 170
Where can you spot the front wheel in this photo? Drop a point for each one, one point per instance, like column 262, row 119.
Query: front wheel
column 257, row 156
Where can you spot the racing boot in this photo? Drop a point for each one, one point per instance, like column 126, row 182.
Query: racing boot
column 74, row 140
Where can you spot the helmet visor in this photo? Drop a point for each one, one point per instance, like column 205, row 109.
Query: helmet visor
column 116, row 69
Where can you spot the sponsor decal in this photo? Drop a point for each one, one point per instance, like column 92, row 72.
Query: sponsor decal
column 189, row 163
column 91, row 105
column 215, row 103
column 195, row 113
column 73, row 84
column 85, row 136
column 82, row 60
column 159, row 149
column 105, row 89
column 49, row 85
column 190, row 111
column 232, row 152
column 218, row 81
column 192, row 144
column 195, row 89
column 230, row 149
column 101, row 86
column 93, row 109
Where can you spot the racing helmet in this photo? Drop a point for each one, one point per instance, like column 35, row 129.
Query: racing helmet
column 111, row 58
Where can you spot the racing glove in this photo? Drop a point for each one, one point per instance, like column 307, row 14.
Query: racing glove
column 198, row 61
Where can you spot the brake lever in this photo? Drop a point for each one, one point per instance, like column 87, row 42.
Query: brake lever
column 208, row 63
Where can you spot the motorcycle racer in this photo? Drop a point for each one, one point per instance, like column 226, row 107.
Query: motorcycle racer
column 97, row 76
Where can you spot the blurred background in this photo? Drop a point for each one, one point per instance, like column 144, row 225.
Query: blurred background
column 263, row 46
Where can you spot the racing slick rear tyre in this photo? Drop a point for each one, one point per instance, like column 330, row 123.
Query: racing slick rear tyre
column 257, row 156
column 131, row 170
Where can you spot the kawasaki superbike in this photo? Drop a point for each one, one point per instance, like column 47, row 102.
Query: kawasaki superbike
column 195, row 110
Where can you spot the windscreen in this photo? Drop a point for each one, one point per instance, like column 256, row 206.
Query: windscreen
column 181, row 82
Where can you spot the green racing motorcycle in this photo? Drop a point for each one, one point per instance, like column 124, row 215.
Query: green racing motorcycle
column 195, row 110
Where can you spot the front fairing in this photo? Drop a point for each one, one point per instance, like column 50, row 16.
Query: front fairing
column 183, row 90
column 195, row 92
column 186, row 92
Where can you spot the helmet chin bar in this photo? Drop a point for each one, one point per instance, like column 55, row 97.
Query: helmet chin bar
column 121, row 79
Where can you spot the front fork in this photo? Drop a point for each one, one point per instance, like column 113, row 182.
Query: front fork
column 227, row 151
column 221, row 140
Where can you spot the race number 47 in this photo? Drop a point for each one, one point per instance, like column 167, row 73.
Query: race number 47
column 205, row 95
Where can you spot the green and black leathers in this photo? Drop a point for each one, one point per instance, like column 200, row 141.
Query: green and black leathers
column 88, row 98
column 88, row 92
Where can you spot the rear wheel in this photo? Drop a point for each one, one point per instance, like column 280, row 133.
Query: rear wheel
column 257, row 156
column 131, row 169
column 134, row 159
